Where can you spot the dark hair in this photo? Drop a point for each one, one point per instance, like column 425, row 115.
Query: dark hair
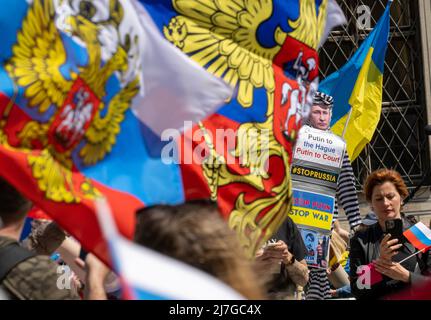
column 196, row 234
column 13, row 206
column 381, row 176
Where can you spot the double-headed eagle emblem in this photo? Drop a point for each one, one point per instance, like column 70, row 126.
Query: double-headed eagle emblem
column 64, row 56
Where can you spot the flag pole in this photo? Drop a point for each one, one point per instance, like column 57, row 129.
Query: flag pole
column 347, row 123
column 412, row 255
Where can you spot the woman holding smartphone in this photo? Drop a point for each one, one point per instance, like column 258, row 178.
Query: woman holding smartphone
column 375, row 245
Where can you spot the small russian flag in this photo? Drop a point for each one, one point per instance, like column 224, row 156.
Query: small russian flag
column 419, row 236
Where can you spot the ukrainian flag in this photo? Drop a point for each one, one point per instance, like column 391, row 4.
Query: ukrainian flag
column 358, row 87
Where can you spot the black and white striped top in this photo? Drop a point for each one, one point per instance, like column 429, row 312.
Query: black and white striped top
column 346, row 195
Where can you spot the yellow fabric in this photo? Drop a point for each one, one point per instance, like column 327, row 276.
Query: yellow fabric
column 344, row 258
column 366, row 103
column 337, row 249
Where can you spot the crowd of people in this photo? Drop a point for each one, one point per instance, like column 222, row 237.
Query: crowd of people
column 195, row 233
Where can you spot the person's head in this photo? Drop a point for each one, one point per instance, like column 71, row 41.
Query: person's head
column 385, row 190
column 196, row 234
column 13, row 206
column 321, row 111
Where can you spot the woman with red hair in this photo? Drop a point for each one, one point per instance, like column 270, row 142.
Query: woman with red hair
column 385, row 190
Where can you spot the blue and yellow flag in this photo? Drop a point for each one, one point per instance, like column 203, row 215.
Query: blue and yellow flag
column 358, row 86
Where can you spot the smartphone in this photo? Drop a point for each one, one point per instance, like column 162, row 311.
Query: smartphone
column 395, row 228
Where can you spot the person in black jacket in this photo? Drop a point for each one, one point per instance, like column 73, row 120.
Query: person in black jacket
column 196, row 234
column 385, row 190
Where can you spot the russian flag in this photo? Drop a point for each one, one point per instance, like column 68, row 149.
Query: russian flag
column 419, row 236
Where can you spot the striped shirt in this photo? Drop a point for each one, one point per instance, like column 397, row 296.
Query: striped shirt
column 346, row 195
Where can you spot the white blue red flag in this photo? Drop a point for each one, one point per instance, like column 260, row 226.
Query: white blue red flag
column 419, row 236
